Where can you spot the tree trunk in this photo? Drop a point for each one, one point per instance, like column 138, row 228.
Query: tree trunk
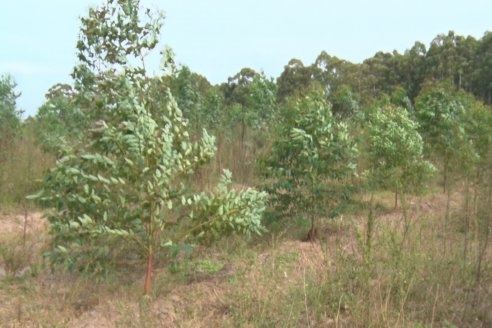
column 148, row 273
column 466, row 223
column 369, row 227
column 243, row 155
column 368, row 260
column 243, row 130
column 445, row 178
column 311, row 236
column 396, row 197
column 218, row 155
column 474, row 213
column 406, row 222
column 481, row 253
column 446, row 219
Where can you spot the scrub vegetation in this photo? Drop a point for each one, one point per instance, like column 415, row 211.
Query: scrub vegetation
column 336, row 195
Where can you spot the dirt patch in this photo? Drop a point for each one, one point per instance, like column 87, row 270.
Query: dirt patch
column 18, row 223
column 259, row 281
column 206, row 302
column 200, row 304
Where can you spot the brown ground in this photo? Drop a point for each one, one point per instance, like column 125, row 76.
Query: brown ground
column 16, row 223
column 204, row 300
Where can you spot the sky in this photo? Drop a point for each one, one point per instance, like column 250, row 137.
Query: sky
column 217, row 38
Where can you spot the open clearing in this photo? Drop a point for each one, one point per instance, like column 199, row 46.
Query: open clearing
column 269, row 281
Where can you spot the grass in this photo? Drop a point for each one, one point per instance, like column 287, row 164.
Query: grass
column 20, row 170
column 426, row 279
column 273, row 281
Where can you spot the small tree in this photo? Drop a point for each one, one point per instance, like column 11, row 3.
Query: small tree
column 441, row 118
column 478, row 127
column 395, row 162
column 395, row 153
column 251, row 97
column 310, row 160
column 479, row 130
column 59, row 118
column 128, row 178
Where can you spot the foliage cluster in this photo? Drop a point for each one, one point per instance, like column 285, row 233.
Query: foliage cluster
column 311, row 160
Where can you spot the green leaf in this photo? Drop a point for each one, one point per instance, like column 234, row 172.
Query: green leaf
column 36, row 195
column 169, row 243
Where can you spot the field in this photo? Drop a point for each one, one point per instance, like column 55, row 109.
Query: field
column 272, row 281
column 338, row 194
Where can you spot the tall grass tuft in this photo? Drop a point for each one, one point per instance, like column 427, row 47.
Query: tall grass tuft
column 21, row 168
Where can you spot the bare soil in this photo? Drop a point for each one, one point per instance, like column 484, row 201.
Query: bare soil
column 67, row 300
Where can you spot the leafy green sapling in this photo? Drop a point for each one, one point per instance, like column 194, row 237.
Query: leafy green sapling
column 127, row 179
column 395, row 153
column 310, row 162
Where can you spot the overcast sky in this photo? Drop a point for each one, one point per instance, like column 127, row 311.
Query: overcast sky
column 216, row 38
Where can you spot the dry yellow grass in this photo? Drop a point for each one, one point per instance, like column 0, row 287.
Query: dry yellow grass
column 272, row 281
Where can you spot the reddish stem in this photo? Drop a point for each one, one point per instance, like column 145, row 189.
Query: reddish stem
column 148, row 273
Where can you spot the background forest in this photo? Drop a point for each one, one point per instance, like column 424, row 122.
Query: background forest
column 335, row 195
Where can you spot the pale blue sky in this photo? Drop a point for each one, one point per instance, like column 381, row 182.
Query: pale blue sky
column 216, row 38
